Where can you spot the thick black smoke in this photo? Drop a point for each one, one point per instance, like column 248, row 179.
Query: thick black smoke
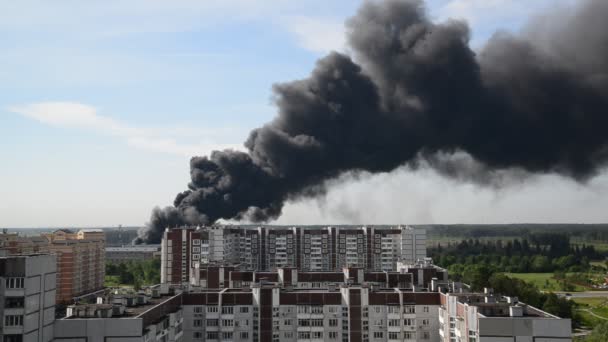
column 535, row 102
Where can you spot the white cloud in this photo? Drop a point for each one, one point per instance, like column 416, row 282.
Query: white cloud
column 81, row 116
column 317, row 34
column 424, row 197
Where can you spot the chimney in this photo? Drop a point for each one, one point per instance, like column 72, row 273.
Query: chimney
column 516, row 311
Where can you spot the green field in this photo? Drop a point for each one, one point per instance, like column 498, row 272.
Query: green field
column 595, row 305
column 543, row 281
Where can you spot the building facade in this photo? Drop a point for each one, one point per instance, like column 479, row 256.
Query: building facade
column 132, row 253
column 80, row 262
column 305, row 248
column 27, row 298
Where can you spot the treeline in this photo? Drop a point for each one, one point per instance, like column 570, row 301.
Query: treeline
column 482, row 276
column 544, row 252
column 134, row 273
column 587, row 232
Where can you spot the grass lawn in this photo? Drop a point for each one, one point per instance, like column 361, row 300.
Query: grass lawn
column 590, row 301
column 543, row 281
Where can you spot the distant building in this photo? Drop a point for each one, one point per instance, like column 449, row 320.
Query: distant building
column 306, row 248
column 413, row 244
column 132, row 253
column 27, row 298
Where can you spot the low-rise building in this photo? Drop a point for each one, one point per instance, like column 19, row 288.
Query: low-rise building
column 134, row 318
column 132, row 253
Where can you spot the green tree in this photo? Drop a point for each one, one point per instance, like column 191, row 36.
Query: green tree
column 599, row 334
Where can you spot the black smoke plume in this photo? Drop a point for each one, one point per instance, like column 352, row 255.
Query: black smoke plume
column 412, row 90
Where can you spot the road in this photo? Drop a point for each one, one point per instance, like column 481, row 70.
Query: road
column 587, row 294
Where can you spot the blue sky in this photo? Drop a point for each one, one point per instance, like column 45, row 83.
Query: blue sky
column 102, row 103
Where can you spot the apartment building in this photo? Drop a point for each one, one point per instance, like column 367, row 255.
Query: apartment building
column 225, row 303
column 80, row 262
column 413, row 244
column 314, row 249
column 80, row 258
column 484, row 317
column 27, row 298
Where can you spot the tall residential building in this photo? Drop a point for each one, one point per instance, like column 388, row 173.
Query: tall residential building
column 27, row 298
column 413, row 244
column 306, row 248
column 80, row 262
column 226, row 304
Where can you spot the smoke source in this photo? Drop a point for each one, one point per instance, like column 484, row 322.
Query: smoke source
column 535, row 102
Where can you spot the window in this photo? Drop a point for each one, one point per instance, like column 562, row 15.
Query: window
column 393, row 323
column 196, row 242
column 378, row 334
column 426, row 322
column 198, row 309
column 212, row 309
column 13, row 338
column 14, row 302
column 303, row 323
column 197, row 335
column 333, row 322
column 14, row 283
column 409, row 335
column 409, row 309
column 212, row 335
column 393, row 309
column 317, row 334
column 425, row 309
column 392, row 335
column 212, row 322
column 244, row 309
column 304, row 335
column 333, row 335
column 288, row 334
column 244, row 335
column 426, row 335
column 227, row 323
column 316, row 309
column 316, row 322
column 13, row 320
column 227, row 335
column 227, row 310
column 287, row 322
column 197, row 323
column 196, row 249
column 409, row 321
